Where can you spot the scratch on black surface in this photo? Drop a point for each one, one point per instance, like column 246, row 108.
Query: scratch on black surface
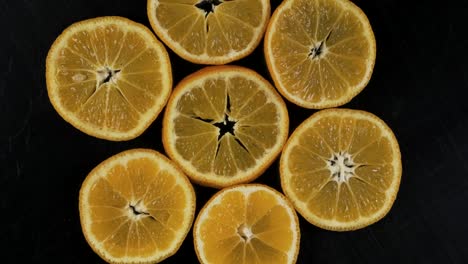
column 10, row 65
column 452, row 142
column 25, row 123
column 373, row 237
column 18, row 169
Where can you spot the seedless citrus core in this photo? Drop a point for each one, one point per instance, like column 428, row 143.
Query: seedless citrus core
column 249, row 223
column 109, row 77
column 224, row 125
column 136, row 207
column 320, row 53
column 341, row 169
column 210, row 31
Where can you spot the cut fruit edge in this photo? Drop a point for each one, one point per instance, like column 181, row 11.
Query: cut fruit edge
column 91, row 129
column 332, row 224
column 204, row 58
column 212, row 179
column 101, row 170
column 247, row 189
column 325, row 103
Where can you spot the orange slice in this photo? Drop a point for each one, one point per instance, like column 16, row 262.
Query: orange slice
column 249, row 223
column 109, row 77
column 320, row 53
column 341, row 169
column 136, row 207
column 210, row 31
column 224, row 125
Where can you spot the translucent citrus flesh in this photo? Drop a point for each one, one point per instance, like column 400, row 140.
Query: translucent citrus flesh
column 232, row 30
column 247, row 225
column 136, row 207
column 348, row 200
column 200, row 107
column 109, row 77
column 321, row 53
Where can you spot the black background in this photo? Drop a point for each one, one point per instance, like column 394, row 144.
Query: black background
column 418, row 87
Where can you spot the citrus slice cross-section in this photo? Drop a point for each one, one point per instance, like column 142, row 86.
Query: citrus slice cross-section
column 224, row 125
column 249, row 223
column 210, row 31
column 109, row 77
column 136, row 207
column 320, row 53
column 341, row 169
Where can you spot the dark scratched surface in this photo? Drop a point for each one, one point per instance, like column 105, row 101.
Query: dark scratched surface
column 419, row 87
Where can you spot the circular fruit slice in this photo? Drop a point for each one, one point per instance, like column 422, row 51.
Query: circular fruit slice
column 109, row 77
column 224, row 125
column 320, row 53
column 341, row 169
column 136, row 207
column 210, row 31
column 249, row 223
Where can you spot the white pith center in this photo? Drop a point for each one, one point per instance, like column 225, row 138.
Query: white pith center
column 244, row 232
column 107, row 75
column 341, row 166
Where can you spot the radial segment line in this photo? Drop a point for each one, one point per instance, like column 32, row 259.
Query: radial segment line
column 222, row 32
column 180, row 21
column 117, row 56
column 232, row 155
column 352, row 136
column 361, row 149
column 149, row 234
column 237, row 19
column 158, row 197
column 203, row 148
column 312, row 152
column 128, row 238
column 255, row 252
column 87, row 101
column 106, row 107
column 358, row 207
column 190, row 30
column 106, row 59
column 81, row 56
column 254, row 139
column 134, row 58
column 348, row 57
column 239, row 141
column 337, row 72
column 312, row 195
column 117, row 88
column 337, row 200
column 211, row 104
column 253, row 112
column 368, row 183
column 343, row 40
column 294, row 41
column 137, row 87
column 196, row 134
column 247, row 101
column 326, row 143
column 115, row 231
column 74, row 84
column 93, row 46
